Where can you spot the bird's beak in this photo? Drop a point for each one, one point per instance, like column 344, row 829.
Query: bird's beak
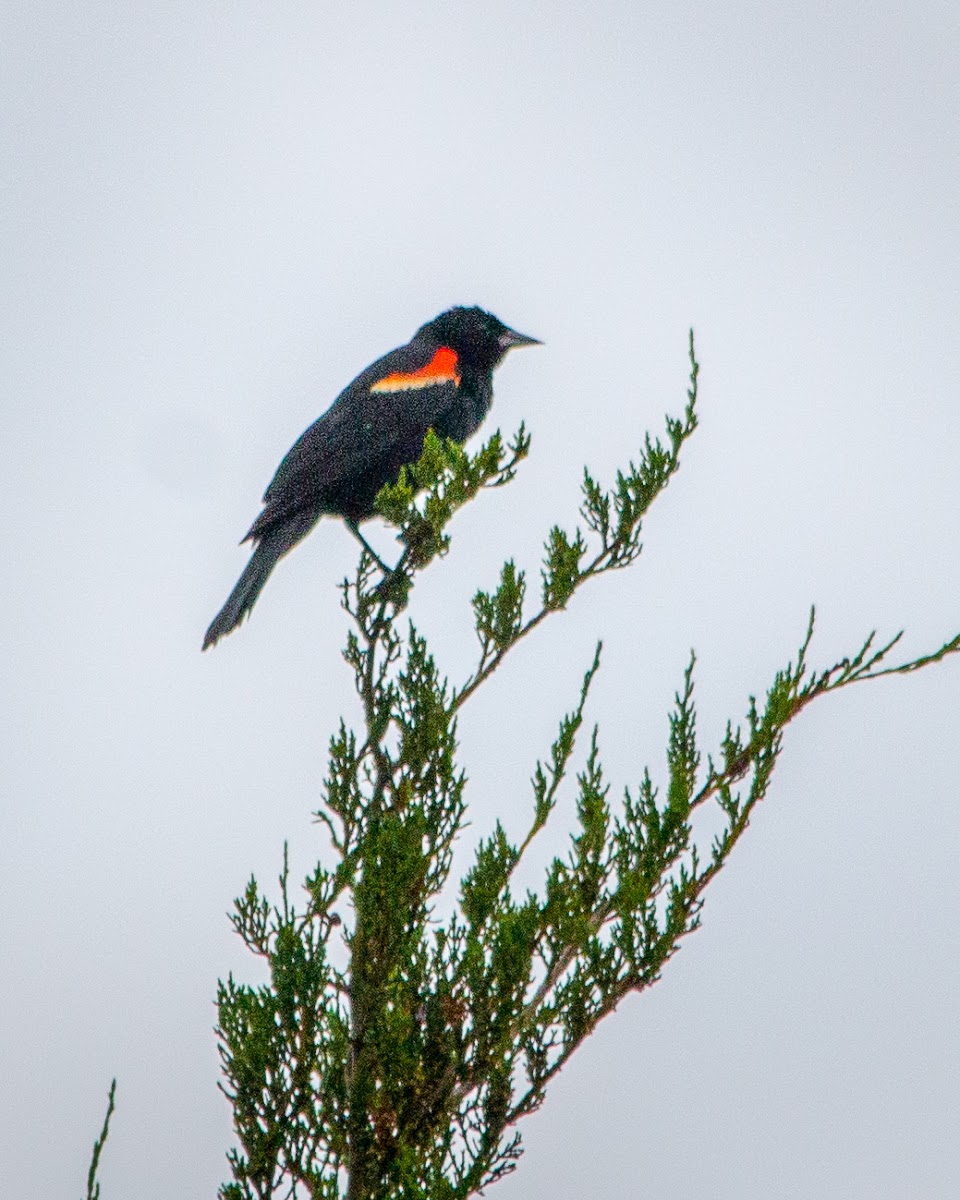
column 510, row 338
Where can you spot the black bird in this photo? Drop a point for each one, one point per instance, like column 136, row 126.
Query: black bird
column 441, row 379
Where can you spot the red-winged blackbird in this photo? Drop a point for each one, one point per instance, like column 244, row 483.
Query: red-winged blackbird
column 441, row 379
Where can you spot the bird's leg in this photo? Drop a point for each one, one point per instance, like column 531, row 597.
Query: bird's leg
column 394, row 587
column 355, row 530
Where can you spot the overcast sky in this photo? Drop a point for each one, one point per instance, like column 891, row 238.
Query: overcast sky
column 214, row 215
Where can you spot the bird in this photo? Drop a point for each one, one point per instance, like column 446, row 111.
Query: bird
column 442, row 379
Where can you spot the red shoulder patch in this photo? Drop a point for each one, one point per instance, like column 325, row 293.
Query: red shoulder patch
column 442, row 368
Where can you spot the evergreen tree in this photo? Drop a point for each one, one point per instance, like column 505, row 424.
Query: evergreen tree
column 393, row 1053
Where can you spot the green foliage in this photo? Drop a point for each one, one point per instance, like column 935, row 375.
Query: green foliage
column 391, row 1053
column 93, row 1184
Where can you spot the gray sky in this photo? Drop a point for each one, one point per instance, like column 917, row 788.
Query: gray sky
column 214, row 216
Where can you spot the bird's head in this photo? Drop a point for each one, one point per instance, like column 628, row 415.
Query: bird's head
column 479, row 338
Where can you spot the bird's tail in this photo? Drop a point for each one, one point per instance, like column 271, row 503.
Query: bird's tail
column 272, row 547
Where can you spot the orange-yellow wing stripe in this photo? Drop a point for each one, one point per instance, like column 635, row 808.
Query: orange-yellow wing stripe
column 442, row 368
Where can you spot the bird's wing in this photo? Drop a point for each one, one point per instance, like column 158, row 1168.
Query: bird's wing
column 382, row 416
